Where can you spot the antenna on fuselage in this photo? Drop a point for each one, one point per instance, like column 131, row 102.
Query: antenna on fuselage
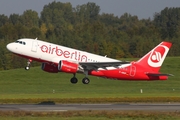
column 36, row 39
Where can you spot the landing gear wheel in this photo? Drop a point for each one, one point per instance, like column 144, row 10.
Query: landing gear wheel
column 28, row 64
column 27, row 68
column 74, row 80
column 85, row 80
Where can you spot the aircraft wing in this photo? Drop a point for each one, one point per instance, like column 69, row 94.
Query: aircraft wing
column 96, row 65
column 158, row 74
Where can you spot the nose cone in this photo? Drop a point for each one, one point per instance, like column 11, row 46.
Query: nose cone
column 10, row 47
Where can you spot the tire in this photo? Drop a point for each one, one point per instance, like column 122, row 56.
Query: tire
column 27, row 68
column 85, row 80
column 74, row 80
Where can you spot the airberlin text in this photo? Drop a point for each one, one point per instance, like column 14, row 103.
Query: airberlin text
column 75, row 55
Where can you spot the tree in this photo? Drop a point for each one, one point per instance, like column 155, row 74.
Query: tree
column 15, row 19
column 30, row 19
column 3, row 20
column 87, row 12
column 168, row 21
column 57, row 13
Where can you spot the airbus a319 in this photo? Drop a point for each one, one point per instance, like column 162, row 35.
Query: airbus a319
column 56, row 58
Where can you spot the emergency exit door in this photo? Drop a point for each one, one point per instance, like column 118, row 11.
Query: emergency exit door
column 34, row 46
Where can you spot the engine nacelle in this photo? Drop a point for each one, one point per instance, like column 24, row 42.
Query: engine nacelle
column 49, row 68
column 68, row 67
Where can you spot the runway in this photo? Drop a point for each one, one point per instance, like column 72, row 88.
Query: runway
column 74, row 107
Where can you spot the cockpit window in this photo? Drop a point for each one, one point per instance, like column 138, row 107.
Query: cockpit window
column 17, row 41
column 20, row 42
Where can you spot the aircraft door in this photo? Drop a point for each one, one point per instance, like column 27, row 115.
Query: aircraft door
column 132, row 70
column 34, row 46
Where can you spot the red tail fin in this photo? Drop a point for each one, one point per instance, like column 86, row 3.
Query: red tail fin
column 156, row 56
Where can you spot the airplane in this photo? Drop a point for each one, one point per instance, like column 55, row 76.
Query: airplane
column 56, row 58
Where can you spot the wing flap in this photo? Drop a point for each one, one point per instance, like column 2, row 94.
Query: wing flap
column 96, row 65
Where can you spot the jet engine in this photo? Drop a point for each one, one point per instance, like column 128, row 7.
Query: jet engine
column 68, row 67
column 49, row 68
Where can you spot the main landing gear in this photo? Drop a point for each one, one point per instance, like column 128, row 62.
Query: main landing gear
column 85, row 80
column 73, row 80
column 28, row 64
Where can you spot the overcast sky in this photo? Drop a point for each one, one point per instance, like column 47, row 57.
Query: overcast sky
column 141, row 8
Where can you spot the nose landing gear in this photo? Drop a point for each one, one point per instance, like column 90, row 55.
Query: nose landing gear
column 28, row 64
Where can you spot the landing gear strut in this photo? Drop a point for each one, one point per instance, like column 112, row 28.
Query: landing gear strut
column 28, row 64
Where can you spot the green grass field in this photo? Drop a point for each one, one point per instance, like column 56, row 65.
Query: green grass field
column 36, row 83
column 21, row 85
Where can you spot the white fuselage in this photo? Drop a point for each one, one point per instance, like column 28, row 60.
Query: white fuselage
column 41, row 50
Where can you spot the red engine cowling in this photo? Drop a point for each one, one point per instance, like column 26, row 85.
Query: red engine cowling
column 68, row 67
column 49, row 68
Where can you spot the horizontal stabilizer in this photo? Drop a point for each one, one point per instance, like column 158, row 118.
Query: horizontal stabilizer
column 158, row 74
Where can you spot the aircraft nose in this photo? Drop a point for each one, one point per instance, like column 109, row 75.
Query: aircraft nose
column 9, row 47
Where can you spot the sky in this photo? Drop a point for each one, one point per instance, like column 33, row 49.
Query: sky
column 144, row 9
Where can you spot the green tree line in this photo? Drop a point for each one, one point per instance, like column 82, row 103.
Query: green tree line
column 84, row 28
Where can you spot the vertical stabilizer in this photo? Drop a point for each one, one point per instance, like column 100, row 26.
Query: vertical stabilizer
column 155, row 57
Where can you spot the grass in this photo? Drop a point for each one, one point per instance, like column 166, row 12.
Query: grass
column 19, row 85
column 35, row 83
column 89, row 115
